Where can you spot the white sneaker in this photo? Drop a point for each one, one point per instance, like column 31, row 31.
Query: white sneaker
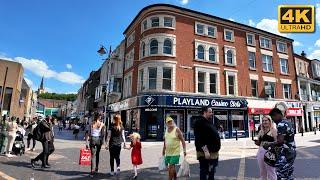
column 118, row 170
column 112, row 173
column 33, row 149
column 9, row 155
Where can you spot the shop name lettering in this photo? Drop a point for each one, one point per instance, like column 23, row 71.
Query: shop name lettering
column 205, row 102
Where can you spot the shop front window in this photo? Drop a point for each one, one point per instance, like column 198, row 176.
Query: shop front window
column 237, row 118
column 222, row 117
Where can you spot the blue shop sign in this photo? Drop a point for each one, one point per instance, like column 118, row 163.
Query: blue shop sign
column 189, row 101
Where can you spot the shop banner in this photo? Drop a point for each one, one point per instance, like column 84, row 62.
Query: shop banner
column 188, row 101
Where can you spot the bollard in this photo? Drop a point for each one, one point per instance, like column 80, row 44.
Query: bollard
column 301, row 131
column 189, row 137
column 252, row 134
column 236, row 135
column 315, row 130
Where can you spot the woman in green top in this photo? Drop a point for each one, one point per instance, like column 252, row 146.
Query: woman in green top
column 171, row 147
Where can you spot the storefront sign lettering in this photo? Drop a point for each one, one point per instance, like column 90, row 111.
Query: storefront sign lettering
column 206, row 102
column 151, row 109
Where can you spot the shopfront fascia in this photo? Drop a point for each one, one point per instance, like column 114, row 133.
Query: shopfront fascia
column 231, row 113
column 258, row 108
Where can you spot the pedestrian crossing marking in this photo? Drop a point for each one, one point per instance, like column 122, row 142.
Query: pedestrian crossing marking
column 5, row 176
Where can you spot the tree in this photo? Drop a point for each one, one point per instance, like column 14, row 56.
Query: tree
column 66, row 97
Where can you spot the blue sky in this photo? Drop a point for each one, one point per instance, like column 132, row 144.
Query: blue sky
column 59, row 39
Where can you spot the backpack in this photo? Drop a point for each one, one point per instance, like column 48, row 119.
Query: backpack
column 37, row 134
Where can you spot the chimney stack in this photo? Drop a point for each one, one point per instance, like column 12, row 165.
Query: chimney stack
column 303, row 54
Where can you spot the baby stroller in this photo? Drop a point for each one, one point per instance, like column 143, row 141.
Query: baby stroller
column 18, row 145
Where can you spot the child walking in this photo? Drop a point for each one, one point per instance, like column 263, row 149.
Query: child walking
column 135, row 153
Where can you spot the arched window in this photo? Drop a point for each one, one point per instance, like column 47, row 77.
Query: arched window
column 229, row 57
column 154, row 46
column 212, row 54
column 167, row 46
column 143, row 49
column 200, row 52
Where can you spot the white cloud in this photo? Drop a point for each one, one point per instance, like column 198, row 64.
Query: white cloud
column 315, row 54
column 69, row 77
column 251, row 23
column 317, row 43
column 49, row 90
column 270, row 25
column 69, row 66
column 29, row 82
column 231, row 19
column 40, row 68
column 297, row 43
column 318, row 14
column 184, row 2
column 36, row 66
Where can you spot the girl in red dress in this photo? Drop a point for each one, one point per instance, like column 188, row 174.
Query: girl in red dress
column 135, row 153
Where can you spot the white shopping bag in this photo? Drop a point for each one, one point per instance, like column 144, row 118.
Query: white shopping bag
column 162, row 164
column 184, row 170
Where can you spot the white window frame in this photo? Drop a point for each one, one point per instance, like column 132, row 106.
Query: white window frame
column 231, row 73
column 162, row 79
column 160, row 37
column 255, row 59
column 161, row 22
column 285, row 45
column 257, row 92
column 168, row 17
column 253, row 39
column 262, row 45
column 286, row 66
column 131, row 38
column 234, row 53
column 274, row 90
column 225, row 35
column 205, row 29
column 216, row 75
column 206, row 45
column 268, row 70
column 141, row 84
column 153, row 18
column 159, row 64
column 156, row 81
column 170, row 47
column 284, row 91
column 207, row 70
column 127, row 89
column 204, row 82
column 129, row 59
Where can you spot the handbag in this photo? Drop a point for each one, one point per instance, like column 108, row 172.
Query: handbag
column 270, row 157
column 85, row 157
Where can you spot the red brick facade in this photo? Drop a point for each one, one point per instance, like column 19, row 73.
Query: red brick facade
column 185, row 51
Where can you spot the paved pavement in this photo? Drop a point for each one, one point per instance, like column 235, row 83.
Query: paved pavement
column 237, row 161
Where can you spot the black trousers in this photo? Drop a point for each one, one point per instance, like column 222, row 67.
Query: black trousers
column 30, row 137
column 114, row 155
column 48, row 149
column 95, row 147
column 207, row 168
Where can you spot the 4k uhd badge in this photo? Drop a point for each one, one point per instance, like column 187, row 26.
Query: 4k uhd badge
column 296, row 18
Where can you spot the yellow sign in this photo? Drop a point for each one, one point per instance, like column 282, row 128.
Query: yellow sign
column 296, row 18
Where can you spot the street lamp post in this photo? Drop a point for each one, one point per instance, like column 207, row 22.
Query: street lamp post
column 102, row 51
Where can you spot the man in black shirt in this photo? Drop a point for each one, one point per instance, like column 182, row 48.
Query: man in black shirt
column 46, row 141
column 207, row 142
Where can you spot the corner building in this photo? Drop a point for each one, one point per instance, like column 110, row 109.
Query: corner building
column 178, row 60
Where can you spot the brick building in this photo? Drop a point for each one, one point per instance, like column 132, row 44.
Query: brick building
column 15, row 97
column 308, row 79
column 178, row 60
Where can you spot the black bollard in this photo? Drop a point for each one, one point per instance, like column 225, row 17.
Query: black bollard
column 315, row 130
column 189, row 137
column 301, row 131
column 236, row 135
column 252, row 134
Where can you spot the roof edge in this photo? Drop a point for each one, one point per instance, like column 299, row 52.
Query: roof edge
column 196, row 12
